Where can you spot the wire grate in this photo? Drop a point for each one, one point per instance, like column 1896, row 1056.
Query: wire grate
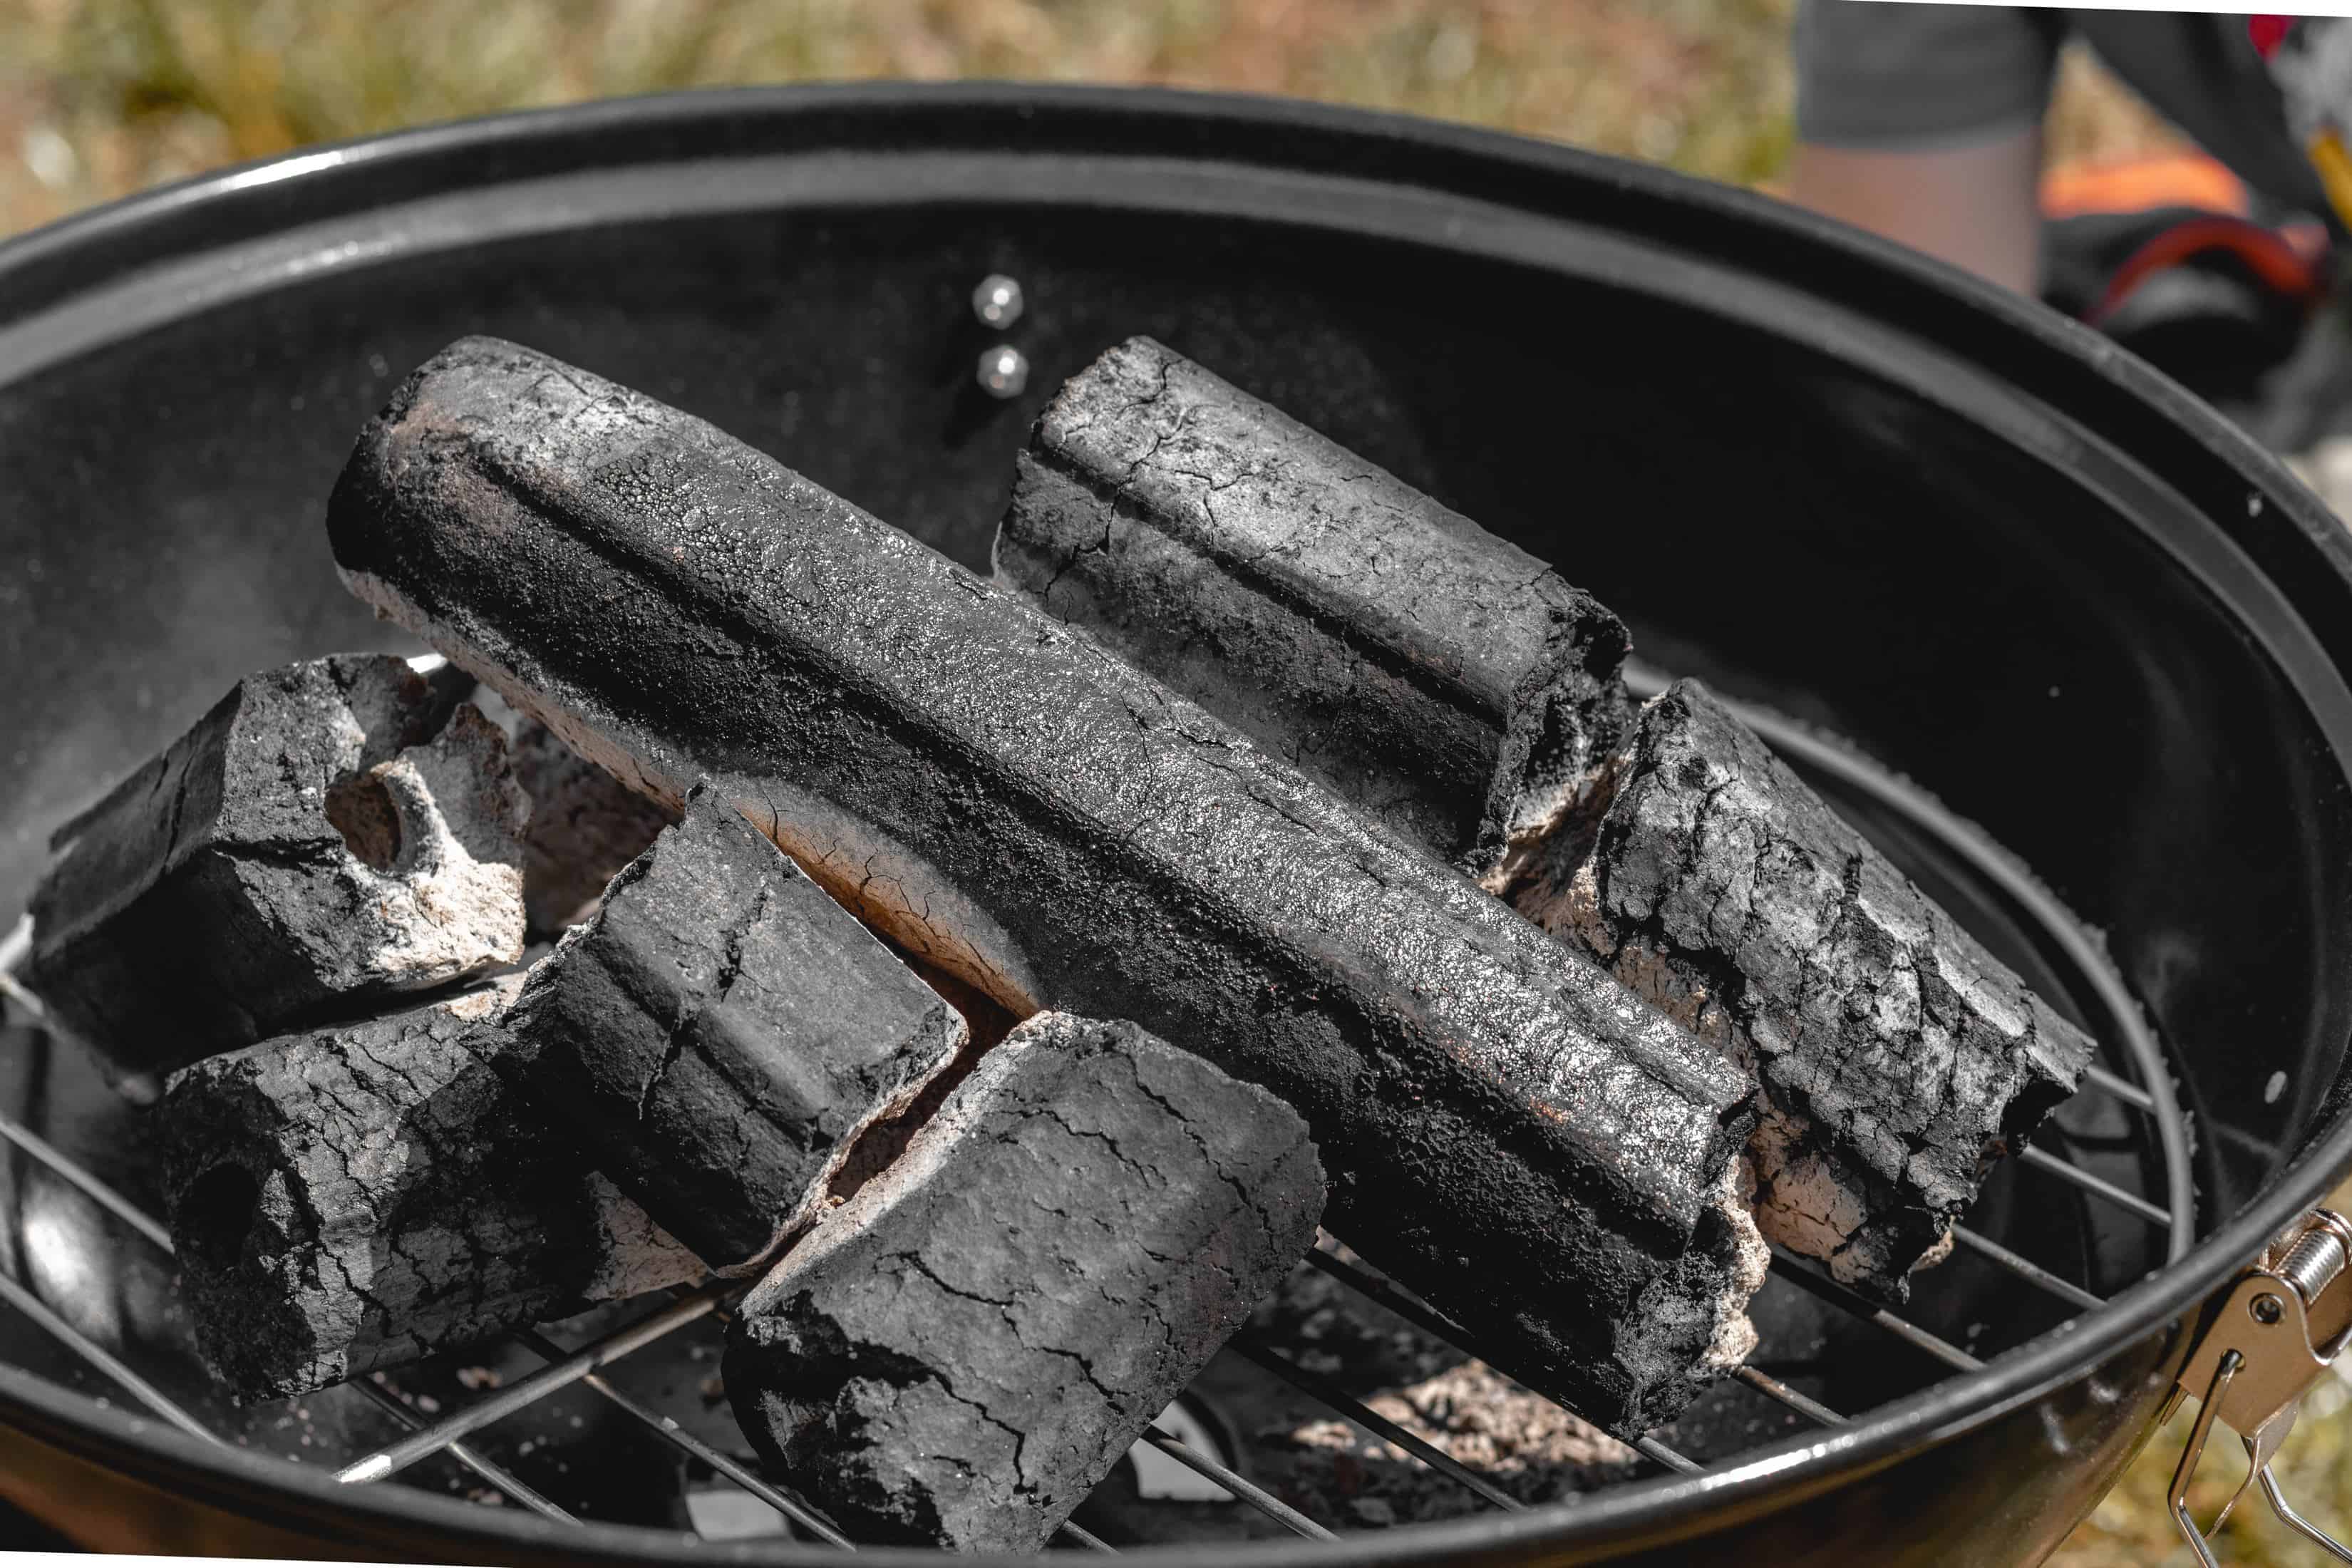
column 2137, row 1098
column 446, row 1434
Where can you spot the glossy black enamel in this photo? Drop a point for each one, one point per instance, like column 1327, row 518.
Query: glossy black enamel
column 2001, row 558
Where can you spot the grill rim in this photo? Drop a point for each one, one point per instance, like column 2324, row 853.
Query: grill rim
column 2106, row 392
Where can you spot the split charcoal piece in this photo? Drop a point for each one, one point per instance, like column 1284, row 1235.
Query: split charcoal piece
column 585, row 824
column 957, row 1355
column 1512, row 1133
column 721, row 1033
column 319, row 843
column 357, row 1197
column 1901, row 1058
column 1437, row 675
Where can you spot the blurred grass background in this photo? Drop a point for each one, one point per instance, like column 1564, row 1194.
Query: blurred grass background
column 100, row 100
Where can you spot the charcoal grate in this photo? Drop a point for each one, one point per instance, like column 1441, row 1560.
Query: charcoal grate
column 2132, row 1080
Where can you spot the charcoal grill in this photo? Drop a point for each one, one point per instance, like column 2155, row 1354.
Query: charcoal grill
column 2072, row 650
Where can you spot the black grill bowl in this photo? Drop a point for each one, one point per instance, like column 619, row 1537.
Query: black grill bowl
column 2004, row 560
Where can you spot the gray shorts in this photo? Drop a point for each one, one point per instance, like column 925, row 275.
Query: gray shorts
column 1896, row 75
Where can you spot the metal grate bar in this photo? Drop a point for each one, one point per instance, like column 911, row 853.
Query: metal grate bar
column 399, row 1455
column 2097, row 1186
column 1787, row 1267
column 99, row 1356
column 2122, row 1088
column 1316, row 1386
column 507, row 1482
column 1771, row 1388
column 1650, row 1447
column 793, row 1507
column 105, row 1196
column 1257, row 1497
column 2026, row 1268
column 1417, row 1312
column 14, row 949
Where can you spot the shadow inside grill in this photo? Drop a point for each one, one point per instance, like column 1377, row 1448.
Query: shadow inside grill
column 1347, row 1404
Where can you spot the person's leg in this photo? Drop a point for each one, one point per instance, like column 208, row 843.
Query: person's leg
column 1973, row 205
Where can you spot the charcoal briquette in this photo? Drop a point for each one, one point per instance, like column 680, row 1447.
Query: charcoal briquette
column 1511, row 1132
column 320, row 844
column 1901, row 1058
column 1433, row 674
column 362, row 1196
column 957, row 1355
column 721, row 1032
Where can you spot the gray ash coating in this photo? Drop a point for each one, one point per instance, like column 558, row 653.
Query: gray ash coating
column 1511, row 1132
column 1431, row 674
column 1902, row 1060
column 328, row 837
column 957, row 1355
column 360, row 1196
column 720, row 1033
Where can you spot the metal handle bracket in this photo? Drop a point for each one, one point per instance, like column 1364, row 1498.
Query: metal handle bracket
column 2284, row 1323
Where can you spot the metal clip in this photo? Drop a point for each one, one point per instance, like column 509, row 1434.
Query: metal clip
column 2284, row 1321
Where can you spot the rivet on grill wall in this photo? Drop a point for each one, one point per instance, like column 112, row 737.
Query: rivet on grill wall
column 1003, row 372
column 997, row 300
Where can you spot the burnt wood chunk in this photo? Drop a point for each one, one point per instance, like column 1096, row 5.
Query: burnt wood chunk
column 319, row 843
column 1433, row 674
column 585, row 824
column 957, row 1354
column 1901, row 1058
column 365, row 1194
column 1512, row 1133
column 721, row 1033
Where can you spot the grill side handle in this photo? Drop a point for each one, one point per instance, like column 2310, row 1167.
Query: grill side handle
column 2283, row 1321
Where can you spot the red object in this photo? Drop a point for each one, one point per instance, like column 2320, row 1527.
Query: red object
column 2280, row 261
column 2268, row 33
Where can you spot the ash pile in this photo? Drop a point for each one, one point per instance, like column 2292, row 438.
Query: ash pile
column 993, row 983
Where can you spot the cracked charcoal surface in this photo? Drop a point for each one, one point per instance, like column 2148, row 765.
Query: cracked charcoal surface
column 957, row 1355
column 585, row 824
column 1431, row 673
column 1902, row 1060
column 721, row 1033
column 1511, row 1132
column 320, row 842
column 366, row 1194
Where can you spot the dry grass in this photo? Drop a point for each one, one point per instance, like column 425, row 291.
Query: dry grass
column 100, row 100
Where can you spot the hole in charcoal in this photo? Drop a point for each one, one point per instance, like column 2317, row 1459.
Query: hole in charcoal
column 360, row 809
column 215, row 1214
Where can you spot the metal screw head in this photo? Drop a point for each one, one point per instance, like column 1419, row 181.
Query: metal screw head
column 2266, row 1308
column 1003, row 372
column 997, row 301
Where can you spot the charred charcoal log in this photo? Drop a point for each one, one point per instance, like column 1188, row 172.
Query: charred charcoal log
column 369, row 1193
column 1514, row 1134
column 721, row 1033
column 1434, row 675
column 585, row 824
column 958, row 1353
column 317, row 844
column 1902, row 1060
column 1356, row 626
